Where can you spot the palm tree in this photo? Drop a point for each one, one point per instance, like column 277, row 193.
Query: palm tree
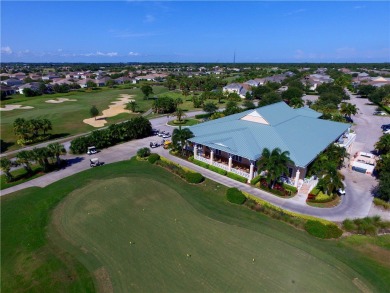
column 46, row 125
column 179, row 137
column 21, row 128
column 57, row 149
column 178, row 101
column 5, row 166
column 132, row 106
column 42, row 155
column 35, row 125
column 331, row 181
column 24, row 158
column 383, row 145
column 348, row 109
column 179, row 114
column 275, row 163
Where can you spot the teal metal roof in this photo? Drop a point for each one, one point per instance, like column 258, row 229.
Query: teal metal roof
column 299, row 132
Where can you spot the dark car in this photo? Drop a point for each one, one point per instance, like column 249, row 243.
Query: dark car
column 385, row 127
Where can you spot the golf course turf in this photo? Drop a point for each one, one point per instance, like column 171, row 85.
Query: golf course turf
column 136, row 227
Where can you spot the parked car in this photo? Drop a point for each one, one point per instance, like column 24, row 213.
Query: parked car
column 166, row 135
column 341, row 191
column 380, row 113
column 154, row 144
column 385, row 127
column 91, row 150
column 155, row 131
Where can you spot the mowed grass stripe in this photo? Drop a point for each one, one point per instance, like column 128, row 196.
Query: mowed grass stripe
column 163, row 228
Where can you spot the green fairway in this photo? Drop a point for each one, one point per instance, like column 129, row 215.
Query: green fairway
column 136, row 227
column 67, row 117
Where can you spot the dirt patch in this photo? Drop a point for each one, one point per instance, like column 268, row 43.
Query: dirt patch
column 15, row 107
column 60, row 100
column 379, row 254
column 116, row 108
column 103, row 280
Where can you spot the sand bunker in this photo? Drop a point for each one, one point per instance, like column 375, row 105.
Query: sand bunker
column 116, row 108
column 15, row 107
column 60, row 100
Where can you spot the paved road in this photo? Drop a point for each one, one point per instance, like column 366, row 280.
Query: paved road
column 356, row 204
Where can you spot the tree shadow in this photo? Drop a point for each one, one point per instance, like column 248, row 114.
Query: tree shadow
column 73, row 161
column 58, row 135
column 5, row 145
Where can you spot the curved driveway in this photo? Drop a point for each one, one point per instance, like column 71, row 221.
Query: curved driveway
column 355, row 204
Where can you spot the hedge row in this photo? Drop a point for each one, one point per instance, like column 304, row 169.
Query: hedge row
column 138, row 127
column 237, row 177
column 188, row 175
column 256, row 180
column 200, row 116
column 381, row 202
column 217, row 170
column 234, row 195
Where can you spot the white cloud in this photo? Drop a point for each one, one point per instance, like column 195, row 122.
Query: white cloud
column 6, row 50
column 149, row 18
column 134, row 54
column 98, row 53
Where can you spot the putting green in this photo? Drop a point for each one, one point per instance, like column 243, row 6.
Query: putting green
column 147, row 237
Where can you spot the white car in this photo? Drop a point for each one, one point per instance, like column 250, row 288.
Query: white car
column 91, row 150
column 341, row 191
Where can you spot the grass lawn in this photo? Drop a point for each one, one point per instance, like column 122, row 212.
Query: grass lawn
column 83, row 241
column 20, row 177
column 187, row 122
column 67, row 117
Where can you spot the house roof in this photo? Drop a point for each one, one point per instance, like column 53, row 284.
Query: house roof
column 246, row 134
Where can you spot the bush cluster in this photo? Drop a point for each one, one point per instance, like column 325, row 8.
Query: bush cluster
column 256, row 179
column 380, row 202
column 194, row 178
column 323, row 231
column 288, row 187
column 153, row 158
column 366, row 226
column 201, row 116
column 138, row 127
column 143, row 152
column 234, row 195
column 189, row 176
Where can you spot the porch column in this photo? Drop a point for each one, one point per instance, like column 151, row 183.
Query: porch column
column 297, row 178
column 211, row 157
column 230, row 163
column 251, row 168
column 195, row 150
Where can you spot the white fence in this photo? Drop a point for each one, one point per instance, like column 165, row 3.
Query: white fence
column 222, row 166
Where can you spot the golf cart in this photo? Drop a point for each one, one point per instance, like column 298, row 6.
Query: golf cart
column 94, row 162
column 91, row 150
column 154, row 144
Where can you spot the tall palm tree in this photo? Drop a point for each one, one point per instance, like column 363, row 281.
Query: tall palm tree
column 276, row 163
column 21, row 128
column 348, row 109
column 331, row 181
column 179, row 137
column 42, row 155
column 178, row 101
column 56, row 150
column 24, row 158
column 5, row 166
column 383, row 144
column 46, row 125
column 179, row 114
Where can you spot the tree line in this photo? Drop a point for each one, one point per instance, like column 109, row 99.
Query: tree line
column 32, row 130
column 383, row 168
column 47, row 158
column 138, row 127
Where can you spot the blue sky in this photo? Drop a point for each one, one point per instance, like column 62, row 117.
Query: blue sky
column 184, row 31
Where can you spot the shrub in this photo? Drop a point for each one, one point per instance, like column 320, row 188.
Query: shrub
column 153, row 158
column 217, row 170
column 349, row 225
column 194, row 178
column 235, row 196
column 293, row 189
column 320, row 230
column 255, row 180
column 201, row 164
column 191, row 158
column 315, row 191
column 201, row 116
column 381, row 202
column 237, row 177
column 143, row 152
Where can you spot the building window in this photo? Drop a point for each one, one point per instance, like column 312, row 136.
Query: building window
column 218, row 152
column 237, row 158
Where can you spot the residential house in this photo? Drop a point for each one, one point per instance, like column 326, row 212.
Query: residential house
column 12, row 82
column 7, row 90
column 237, row 88
column 33, row 86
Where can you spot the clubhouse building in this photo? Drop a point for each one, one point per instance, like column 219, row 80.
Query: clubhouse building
column 234, row 143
